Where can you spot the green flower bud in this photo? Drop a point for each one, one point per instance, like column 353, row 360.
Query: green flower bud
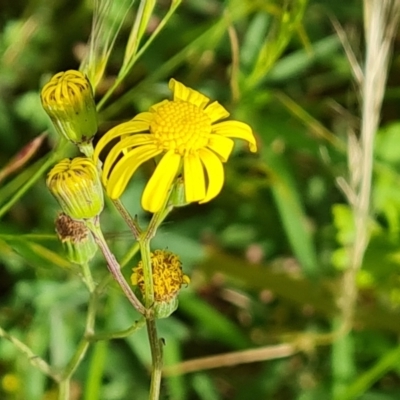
column 168, row 279
column 76, row 186
column 68, row 100
column 76, row 238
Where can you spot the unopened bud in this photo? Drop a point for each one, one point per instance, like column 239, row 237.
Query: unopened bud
column 76, row 186
column 68, row 100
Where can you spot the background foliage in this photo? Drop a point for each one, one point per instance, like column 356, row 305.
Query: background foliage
column 266, row 257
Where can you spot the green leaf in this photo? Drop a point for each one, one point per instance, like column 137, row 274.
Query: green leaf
column 209, row 320
column 290, row 207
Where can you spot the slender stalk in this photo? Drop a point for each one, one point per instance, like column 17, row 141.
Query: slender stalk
column 120, row 334
column 87, row 277
column 83, row 346
column 131, row 222
column 34, row 359
column 63, row 390
column 147, row 272
column 157, row 220
column 155, row 342
column 130, row 254
column 156, row 351
column 157, row 359
column 113, row 266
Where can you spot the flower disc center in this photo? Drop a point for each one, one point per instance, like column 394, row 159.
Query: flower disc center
column 181, row 126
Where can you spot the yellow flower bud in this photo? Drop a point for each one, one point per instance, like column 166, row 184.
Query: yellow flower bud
column 76, row 238
column 68, row 100
column 76, row 186
column 167, row 280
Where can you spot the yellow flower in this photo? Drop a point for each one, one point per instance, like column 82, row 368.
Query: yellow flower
column 76, row 186
column 168, row 279
column 188, row 136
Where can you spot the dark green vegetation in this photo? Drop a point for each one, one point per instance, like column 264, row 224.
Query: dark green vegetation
column 266, row 258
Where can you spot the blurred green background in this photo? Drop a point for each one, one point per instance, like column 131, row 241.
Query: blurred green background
column 266, row 257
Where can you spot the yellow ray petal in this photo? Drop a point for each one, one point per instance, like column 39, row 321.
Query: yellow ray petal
column 181, row 92
column 195, row 185
column 216, row 112
column 238, row 130
column 119, row 130
column 160, row 182
column 126, row 167
column 144, row 116
column 221, row 145
column 122, row 147
column 215, row 173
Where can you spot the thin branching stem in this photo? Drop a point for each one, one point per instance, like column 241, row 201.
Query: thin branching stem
column 114, row 267
column 33, row 358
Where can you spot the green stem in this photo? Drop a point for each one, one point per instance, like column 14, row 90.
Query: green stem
column 87, row 277
column 120, row 334
column 83, row 346
column 63, row 390
column 155, row 342
column 144, row 244
column 155, row 347
column 157, row 359
column 131, row 222
column 34, row 359
column 147, row 272
column 130, row 254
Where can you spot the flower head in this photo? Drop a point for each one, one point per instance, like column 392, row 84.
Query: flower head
column 68, row 100
column 188, row 136
column 76, row 186
column 76, row 238
column 167, row 280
